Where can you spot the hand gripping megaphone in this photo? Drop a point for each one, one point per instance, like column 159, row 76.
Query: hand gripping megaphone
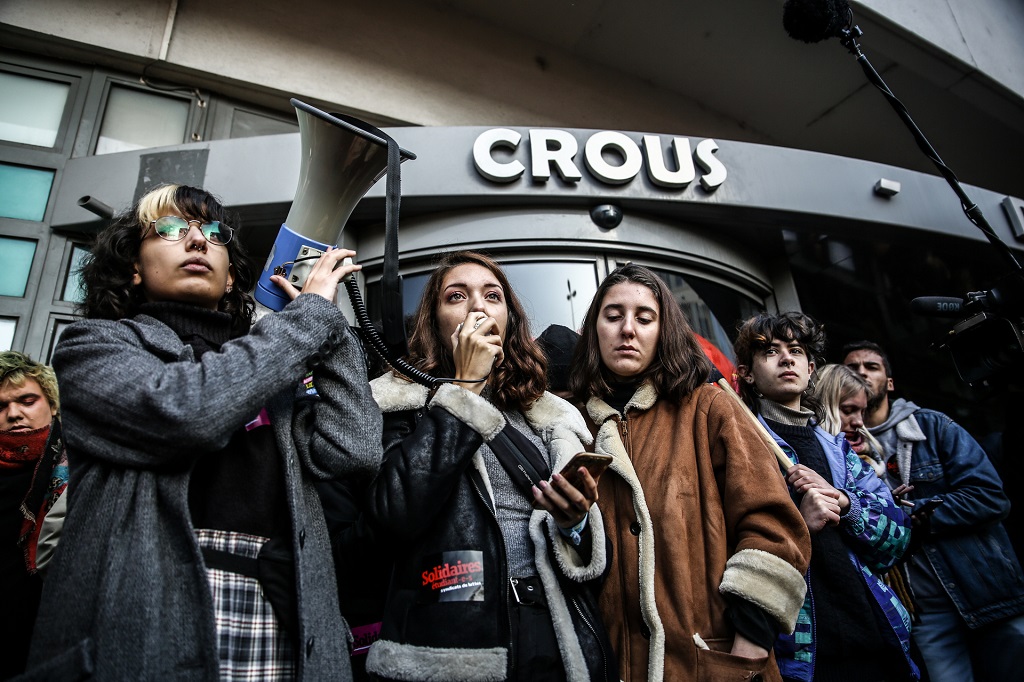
column 342, row 158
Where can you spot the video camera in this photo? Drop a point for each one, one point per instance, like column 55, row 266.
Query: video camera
column 989, row 342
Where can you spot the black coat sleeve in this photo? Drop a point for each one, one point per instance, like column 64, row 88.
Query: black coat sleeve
column 424, row 458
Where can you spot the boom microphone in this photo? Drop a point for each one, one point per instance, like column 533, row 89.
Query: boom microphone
column 815, row 20
column 938, row 306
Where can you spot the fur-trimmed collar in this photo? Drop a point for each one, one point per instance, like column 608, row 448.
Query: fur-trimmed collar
column 395, row 394
column 910, row 430
column 564, row 431
column 549, row 412
column 642, row 400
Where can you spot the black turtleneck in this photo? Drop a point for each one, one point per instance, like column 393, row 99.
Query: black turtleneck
column 200, row 328
column 241, row 487
column 621, row 393
column 846, row 620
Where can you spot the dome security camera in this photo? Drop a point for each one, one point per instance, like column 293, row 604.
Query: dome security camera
column 606, row 216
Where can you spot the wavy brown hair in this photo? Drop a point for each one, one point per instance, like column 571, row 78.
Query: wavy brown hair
column 680, row 365
column 107, row 272
column 521, row 378
column 756, row 335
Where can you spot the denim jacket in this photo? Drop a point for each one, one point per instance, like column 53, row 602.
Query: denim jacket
column 966, row 544
column 877, row 532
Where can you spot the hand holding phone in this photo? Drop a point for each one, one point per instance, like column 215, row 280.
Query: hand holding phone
column 594, row 463
column 926, row 506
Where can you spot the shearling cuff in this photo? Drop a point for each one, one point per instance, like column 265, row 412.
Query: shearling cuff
column 767, row 581
column 471, row 409
column 569, row 560
column 396, row 661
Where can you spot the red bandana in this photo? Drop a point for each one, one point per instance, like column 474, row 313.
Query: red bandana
column 21, row 449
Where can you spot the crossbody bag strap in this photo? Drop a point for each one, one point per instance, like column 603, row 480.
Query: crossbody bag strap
column 523, row 461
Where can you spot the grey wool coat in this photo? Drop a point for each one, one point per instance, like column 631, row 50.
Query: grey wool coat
column 126, row 597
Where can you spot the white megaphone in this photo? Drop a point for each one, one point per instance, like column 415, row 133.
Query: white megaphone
column 342, row 158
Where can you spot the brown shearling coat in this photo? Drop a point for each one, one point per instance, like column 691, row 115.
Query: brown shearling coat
column 696, row 506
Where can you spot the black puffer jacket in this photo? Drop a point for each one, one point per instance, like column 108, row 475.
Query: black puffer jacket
column 432, row 498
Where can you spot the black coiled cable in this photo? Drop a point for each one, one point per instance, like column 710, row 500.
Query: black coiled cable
column 378, row 346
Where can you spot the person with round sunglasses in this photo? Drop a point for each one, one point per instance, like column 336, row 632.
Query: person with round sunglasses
column 195, row 545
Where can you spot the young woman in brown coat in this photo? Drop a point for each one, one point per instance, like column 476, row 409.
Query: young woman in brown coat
column 709, row 550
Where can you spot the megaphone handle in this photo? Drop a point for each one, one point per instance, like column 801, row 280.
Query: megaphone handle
column 392, row 316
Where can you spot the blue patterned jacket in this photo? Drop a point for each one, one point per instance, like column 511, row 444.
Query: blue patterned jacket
column 877, row 532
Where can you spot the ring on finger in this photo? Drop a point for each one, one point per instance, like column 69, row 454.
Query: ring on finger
column 476, row 325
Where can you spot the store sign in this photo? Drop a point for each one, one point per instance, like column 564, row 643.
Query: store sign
column 558, row 149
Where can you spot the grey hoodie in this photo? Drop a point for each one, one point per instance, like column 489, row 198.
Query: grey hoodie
column 886, row 434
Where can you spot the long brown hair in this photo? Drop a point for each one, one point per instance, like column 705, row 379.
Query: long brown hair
column 679, row 366
column 521, row 378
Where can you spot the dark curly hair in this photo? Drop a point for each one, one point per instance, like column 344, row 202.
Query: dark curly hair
column 757, row 333
column 678, row 369
column 518, row 381
column 108, row 271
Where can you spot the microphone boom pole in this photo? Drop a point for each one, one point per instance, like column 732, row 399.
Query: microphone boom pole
column 848, row 38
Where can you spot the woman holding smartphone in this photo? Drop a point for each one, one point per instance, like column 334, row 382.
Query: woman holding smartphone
column 195, row 545
column 709, row 549
column 489, row 580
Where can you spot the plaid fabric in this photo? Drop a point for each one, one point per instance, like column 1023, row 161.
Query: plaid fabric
column 250, row 644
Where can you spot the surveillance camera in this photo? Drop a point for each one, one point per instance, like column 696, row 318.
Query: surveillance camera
column 606, row 216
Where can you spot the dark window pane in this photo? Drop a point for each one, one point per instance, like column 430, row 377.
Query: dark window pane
column 553, row 292
column 711, row 309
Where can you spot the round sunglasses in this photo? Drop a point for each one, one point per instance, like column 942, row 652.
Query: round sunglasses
column 173, row 229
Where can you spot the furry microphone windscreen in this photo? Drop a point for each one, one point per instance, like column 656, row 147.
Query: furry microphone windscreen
column 815, row 20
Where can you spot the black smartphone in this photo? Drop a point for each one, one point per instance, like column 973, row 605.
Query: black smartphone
column 926, row 506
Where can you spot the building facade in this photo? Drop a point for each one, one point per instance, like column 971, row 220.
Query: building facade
column 752, row 171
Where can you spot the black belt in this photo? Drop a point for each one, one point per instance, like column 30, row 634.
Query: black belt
column 232, row 563
column 528, row 591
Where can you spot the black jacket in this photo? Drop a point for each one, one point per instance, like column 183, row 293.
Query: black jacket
column 432, row 498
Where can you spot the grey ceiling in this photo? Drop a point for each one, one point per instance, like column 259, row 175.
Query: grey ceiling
column 734, row 58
